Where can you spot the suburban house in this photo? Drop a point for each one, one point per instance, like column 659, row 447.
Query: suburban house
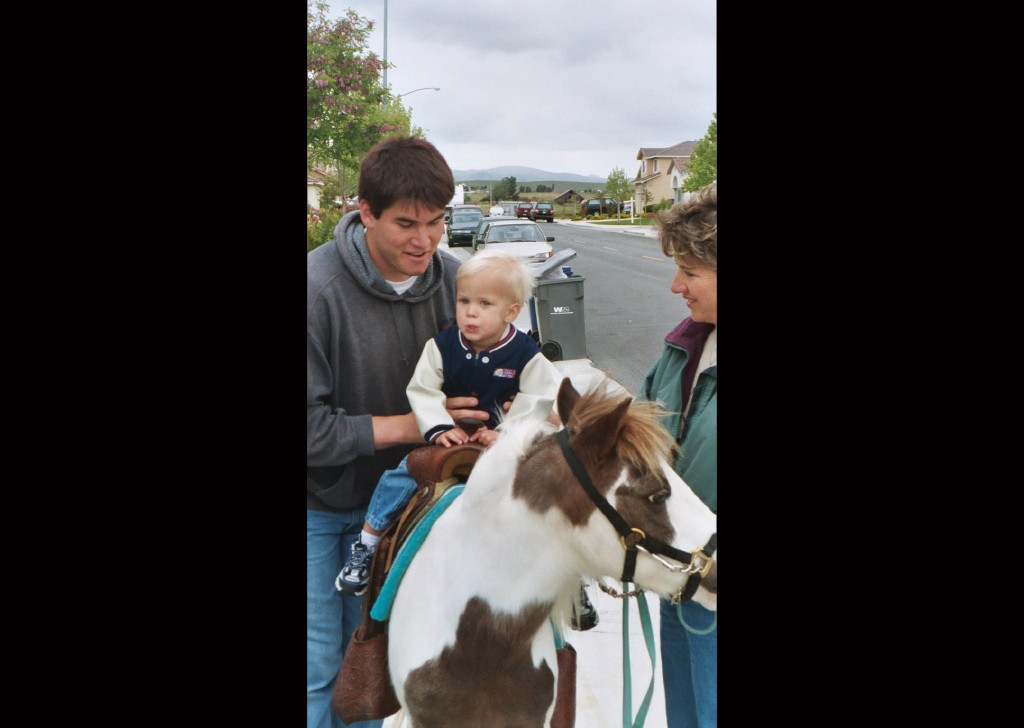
column 568, row 196
column 314, row 184
column 662, row 172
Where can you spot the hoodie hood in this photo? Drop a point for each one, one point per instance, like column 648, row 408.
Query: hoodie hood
column 350, row 239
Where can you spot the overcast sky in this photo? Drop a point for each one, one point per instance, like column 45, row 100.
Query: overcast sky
column 562, row 86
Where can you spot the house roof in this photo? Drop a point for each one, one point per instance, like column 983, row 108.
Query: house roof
column 680, row 163
column 315, row 177
column 682, row 149
column 567, row 195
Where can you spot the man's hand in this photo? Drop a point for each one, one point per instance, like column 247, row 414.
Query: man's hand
column 460, row 407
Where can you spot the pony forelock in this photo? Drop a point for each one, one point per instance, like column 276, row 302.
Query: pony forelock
column 643, row 441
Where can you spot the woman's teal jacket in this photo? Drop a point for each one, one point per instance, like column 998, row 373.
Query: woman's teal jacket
column 697, row 462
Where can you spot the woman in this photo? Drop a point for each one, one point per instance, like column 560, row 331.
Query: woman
column 685, row 381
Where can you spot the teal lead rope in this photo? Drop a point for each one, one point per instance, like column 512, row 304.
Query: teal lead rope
column 559, row 640
column 691, row 630
column 627, row 686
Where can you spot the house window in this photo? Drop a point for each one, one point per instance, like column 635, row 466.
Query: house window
column 643, row 167
column 655, row 165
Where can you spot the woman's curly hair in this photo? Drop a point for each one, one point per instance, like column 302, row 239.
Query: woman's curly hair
column 688, row 231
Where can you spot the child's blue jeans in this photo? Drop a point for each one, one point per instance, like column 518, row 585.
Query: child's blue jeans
column 393, row 492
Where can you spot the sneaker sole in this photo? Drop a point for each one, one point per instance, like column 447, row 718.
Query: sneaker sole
column 351, row 590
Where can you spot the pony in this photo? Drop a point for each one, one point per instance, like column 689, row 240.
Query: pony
column 472, row 625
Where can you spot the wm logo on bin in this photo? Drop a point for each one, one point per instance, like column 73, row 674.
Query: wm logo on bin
column 561, row 309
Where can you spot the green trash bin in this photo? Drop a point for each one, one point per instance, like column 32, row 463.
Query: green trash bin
column 559, row 319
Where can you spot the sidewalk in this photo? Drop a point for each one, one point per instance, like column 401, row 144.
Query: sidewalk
column 647, row 231
column 599, row 659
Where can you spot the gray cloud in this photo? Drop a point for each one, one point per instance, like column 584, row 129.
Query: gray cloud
column 561, row 86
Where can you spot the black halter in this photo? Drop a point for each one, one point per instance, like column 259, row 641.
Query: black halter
column 699, row 563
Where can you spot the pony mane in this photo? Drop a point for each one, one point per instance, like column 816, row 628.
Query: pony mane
column 642, row 442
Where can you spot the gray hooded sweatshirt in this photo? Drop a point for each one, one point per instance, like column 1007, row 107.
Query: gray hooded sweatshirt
column 362, row 344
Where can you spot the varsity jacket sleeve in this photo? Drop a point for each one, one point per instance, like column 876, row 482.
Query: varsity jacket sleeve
column 426, row 396
column 538, row 388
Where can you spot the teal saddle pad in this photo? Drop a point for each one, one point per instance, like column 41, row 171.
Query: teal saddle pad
column 382, row 607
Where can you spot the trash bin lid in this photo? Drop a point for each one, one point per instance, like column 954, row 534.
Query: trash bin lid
column 555, row 261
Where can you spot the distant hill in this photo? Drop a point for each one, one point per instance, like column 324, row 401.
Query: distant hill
column 523, row 174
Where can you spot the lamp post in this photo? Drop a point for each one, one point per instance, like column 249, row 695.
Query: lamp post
column 435, row 88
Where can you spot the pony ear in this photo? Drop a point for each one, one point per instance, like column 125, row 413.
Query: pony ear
column 605, row 434
column 567, row 399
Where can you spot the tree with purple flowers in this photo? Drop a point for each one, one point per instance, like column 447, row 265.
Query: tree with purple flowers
column 347, row 110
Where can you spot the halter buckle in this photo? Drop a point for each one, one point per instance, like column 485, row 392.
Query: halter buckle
column 634, row 538
column 696, row 567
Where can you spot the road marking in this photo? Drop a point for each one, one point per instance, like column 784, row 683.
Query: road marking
column 650, row 258
column 607, row 248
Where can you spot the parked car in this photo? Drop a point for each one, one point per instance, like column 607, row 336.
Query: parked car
column 598, row 206
column 481, row 226
column 542, row 211
column 448, row 210
column 523, row 238
column 523, row 209
column 462, row 224
column 509, row 208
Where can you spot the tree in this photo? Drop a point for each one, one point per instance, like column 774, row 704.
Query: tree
column 704, row 159
column 619, row 186
column 506, row 189
column 645, row 197
column 346, row 107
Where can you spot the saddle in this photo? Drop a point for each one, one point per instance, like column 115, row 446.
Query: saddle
column 435, row 468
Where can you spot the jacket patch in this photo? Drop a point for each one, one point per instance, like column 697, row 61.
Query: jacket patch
column 505, row 373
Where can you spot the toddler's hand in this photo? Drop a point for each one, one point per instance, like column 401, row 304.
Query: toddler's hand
column 455, row 436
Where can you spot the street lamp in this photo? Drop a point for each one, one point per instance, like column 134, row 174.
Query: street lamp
column 434, row 88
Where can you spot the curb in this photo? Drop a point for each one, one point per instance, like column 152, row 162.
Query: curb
column 645, row 231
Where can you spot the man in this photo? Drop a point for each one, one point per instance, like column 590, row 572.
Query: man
column 374, row 296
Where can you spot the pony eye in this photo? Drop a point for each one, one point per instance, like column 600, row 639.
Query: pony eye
column 658, row 497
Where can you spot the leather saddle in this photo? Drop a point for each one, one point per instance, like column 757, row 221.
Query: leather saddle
column 435, row 468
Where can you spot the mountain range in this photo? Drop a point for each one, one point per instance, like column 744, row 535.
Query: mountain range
column 523, row 174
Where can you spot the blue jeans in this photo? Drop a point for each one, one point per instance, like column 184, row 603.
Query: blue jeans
column 331, row 617
column 689, row 665
column 393, row 492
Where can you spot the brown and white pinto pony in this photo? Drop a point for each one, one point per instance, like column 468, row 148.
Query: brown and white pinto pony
column 470, row 634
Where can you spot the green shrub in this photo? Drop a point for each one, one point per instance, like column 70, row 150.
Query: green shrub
column 320, row 226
